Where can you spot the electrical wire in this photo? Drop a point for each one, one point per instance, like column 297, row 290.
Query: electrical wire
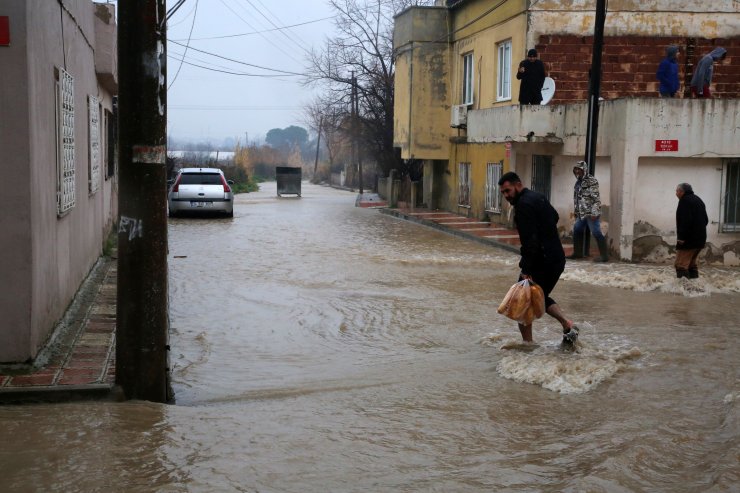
column 283, row 72
column 245, row 74
column 195, row 14
column 263, row 36
column 264, row 31
column 298, row 44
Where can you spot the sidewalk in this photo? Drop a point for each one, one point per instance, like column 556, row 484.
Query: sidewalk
column 78, row 362
column 465, row 227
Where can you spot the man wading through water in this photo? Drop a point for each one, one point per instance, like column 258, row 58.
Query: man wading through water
column 543, row 258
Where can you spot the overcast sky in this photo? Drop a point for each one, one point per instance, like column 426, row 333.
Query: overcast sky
column 206, row 104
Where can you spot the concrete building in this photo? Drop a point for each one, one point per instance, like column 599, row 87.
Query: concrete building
column 58, row 79
column 456, row 111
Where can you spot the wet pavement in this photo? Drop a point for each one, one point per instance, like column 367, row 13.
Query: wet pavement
column 78, row 363
column 318, row 346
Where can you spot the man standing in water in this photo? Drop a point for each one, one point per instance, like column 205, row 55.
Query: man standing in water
column 587, row 209
column 691, row 231
column 543, row 259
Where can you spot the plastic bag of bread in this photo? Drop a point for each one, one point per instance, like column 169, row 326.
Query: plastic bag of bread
column 516, row 301
column 524, row 302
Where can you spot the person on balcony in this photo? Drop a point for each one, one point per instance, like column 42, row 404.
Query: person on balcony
column 668, row 73
column 532, row 75
column 702, row 77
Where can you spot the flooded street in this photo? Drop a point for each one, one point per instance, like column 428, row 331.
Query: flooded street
column 321, row 347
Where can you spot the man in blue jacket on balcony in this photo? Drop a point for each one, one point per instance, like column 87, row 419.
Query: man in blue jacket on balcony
column 668, row 73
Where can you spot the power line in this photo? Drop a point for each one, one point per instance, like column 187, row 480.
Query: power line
column 285, row 72
column 232, row 108
column 264, row 31
column 195, row 14
column 245, row 74
column 263, row 36
column 299, row 45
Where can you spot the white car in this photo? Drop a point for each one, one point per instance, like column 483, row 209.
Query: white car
column 201, row 190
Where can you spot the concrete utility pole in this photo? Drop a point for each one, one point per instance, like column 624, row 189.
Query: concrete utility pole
column 142, row 320
column 594, row 86
column 318, row 146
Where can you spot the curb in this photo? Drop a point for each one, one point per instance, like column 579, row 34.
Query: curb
column 455, row 232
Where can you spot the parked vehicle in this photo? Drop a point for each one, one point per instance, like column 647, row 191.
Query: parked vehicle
column 201, row 190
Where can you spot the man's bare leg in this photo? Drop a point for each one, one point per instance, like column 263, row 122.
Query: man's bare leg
column 570, row 331
column 555, row 312
column 526, row 331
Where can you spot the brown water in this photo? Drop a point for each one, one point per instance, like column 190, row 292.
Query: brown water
column 321, row 347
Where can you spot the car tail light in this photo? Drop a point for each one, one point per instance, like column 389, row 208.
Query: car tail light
column 227, row 188
column 176, row 186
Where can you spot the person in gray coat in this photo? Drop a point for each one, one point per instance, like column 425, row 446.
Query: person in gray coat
column 703, row 72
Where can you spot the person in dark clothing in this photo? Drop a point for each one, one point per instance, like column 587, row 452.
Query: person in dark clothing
column 543, row 258
column 691, row 231
column 532, row 74
column 668, row 73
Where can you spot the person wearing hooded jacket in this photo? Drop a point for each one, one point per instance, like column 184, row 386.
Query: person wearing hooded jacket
column 587, row 210
column 668, row 73
column 691, row 231
column 702, row 77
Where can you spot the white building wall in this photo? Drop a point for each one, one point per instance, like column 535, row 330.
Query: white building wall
column 628, row 166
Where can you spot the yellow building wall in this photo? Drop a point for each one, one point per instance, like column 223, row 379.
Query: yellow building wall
column 478, row 155
column 421, row 110
column 507, row 22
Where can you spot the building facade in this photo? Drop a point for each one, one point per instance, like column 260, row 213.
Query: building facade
column 457, row 112
column 58, row 81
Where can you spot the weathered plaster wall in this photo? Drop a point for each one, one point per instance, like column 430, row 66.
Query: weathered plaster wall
column 55, row 253
column 422, row 93
column 15, row 207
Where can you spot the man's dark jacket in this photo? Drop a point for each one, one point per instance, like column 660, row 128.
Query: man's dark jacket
column 537, row 223
column 691, row 222
column 533, row 78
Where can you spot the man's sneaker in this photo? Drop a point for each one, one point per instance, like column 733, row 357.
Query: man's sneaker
column 570, row 337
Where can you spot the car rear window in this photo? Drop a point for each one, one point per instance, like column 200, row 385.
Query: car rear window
column 200, row 179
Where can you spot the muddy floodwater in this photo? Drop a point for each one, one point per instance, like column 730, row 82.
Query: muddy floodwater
column 319, row 347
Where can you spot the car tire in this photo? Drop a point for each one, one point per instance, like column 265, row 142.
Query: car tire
column 230, row 213
column 172, row 214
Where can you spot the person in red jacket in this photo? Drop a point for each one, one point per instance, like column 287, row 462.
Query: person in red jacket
column 691, row 231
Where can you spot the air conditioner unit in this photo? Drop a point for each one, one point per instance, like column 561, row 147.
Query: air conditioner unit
column 459, row 117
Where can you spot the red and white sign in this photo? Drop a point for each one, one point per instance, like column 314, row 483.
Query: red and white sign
column 4, row 30
column 666, row 145
column 508, row 149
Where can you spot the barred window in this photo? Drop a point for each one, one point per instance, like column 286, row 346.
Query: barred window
column 93, row 110
column 65, row 105
column 731, row 197
column 463, row 195
column 493, row 197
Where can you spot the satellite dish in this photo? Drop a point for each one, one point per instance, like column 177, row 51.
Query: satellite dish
column 548, row 90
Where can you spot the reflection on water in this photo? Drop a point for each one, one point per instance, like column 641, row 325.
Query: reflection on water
column 321, row 347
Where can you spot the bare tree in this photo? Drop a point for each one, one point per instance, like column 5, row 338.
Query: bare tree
column 327, row 117
column 363, row 46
